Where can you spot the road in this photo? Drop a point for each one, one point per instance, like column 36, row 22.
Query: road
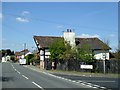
column 100, row 81
column 109, row 83
column 18, row 76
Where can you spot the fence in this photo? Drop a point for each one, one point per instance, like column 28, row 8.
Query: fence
column 111, row 66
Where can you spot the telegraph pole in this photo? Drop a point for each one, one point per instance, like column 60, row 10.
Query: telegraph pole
column 24, row 49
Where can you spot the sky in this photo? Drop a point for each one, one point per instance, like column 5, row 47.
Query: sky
column 22, row 20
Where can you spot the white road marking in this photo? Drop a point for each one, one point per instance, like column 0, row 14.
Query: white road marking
column 13, row 66
column 103, row 87
column 25, row 77
column 87, row 84
column 37, row 85
column 96, row 86
column 82, row 83
column 65, row 79
column 96, row 81
column 73, row 81
column 18, row 72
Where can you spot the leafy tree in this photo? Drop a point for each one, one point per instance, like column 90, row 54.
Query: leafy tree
column 117, row 54
column 3, row 53
column 7, row 52
column 85, row 54
column 12, row 58
column 30, row 58
column 62, row 50
column 56, row 49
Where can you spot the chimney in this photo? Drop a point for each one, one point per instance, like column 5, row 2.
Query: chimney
column 67, row 30
column 69, row 36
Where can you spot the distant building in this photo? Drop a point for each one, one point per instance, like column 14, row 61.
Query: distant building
column 22, row 53
column 100, row 49
column 3, row 59
column 6, row 58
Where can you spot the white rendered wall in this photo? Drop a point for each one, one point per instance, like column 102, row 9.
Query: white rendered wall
column 47, row 54
column 41, row 55
column 70, row 37
column 99, row 54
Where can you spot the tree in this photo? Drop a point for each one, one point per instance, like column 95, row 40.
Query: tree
column 7, row 52
column 117, row 54
column 85, row 54
column 30, row 58
column 63, row 50
column 66, row 54
column 56, row 49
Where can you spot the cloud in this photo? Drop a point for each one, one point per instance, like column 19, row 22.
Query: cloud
column 25, row 12
column 112, row 35
column 88, row 36
column 23, row 17
column 59, row 26
column 20, row 19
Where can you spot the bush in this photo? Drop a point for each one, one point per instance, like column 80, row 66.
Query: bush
column 29, row 58
column 12, row 58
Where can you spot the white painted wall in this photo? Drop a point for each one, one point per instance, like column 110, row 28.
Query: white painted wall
column 7, row 57
column 41, row 55
column 47, row 53
column 70, row 37
column 4, row 59
column 99, row 54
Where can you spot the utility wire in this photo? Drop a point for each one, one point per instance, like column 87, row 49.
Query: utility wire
column 56, row 22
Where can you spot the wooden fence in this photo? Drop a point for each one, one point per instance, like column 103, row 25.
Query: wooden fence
column 111, row 66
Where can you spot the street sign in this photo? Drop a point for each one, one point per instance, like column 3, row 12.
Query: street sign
column 86, row 66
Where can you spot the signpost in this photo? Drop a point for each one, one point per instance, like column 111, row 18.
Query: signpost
column 104, row 57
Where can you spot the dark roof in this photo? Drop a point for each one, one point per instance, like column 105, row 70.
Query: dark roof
column 94, row 43
column 46, row 41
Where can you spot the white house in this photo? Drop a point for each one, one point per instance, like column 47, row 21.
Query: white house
column 99, row 49
column 5, row 58
column 22, row 53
